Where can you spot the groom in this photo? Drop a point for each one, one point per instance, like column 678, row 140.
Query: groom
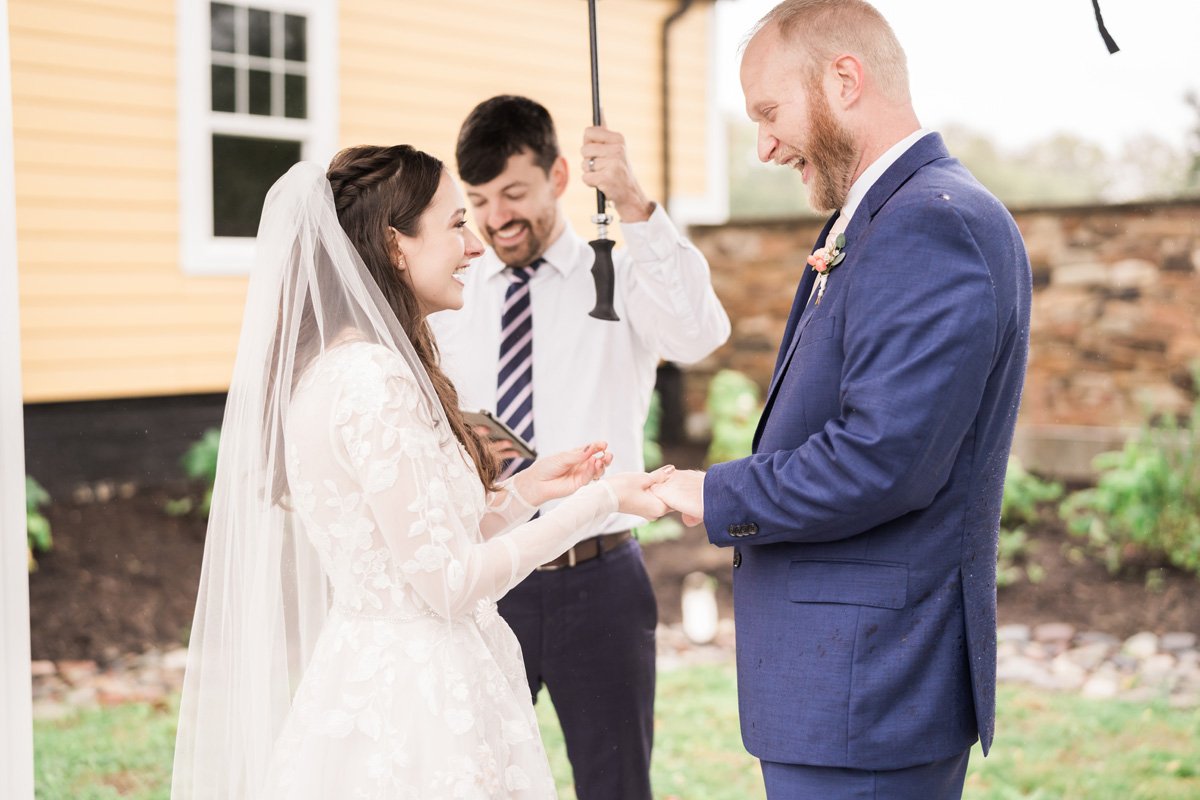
column 865, row 523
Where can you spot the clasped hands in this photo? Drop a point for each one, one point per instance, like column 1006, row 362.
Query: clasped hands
column 643, row 494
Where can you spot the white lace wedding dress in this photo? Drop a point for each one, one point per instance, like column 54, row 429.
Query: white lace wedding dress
column 416, row 688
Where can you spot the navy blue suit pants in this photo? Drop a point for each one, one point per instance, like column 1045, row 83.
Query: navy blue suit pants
column 941, row 780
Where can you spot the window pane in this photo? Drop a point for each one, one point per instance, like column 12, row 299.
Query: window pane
column 222, row 27
column 295, row 38
column 243, row 170
column 224, row 94
column 260, row 32
column 295, row 103
column 260, row 92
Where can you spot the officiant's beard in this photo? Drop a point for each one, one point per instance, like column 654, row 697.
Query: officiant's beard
column 533, row 246
column 832, row 153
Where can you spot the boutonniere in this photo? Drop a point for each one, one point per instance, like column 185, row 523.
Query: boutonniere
column 825, row 259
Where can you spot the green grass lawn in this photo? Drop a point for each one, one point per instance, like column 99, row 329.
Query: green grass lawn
column 1047, row 746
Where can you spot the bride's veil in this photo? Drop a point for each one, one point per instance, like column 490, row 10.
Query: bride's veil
column 263, row 598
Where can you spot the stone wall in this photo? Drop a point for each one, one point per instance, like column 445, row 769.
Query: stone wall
column 1116, row 317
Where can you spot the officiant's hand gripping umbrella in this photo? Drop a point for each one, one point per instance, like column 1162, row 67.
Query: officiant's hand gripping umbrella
column 602, row 266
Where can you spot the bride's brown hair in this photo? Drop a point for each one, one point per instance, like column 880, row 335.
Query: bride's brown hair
column 377, row 187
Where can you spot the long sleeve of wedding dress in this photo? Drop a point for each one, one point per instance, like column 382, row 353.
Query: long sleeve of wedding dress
column 505, row 510
column 372, row 466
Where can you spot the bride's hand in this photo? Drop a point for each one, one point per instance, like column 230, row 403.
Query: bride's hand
column 634, row 495
column 552, row 477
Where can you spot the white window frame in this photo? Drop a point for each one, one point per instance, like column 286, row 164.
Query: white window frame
column 202, row 253
column 712, row 207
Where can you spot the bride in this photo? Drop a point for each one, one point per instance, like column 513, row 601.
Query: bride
column 346, row 642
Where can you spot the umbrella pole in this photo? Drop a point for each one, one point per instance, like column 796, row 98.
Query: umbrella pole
column 602, row 265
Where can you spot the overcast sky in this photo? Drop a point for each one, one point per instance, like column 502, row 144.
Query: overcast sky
column 1021, row 70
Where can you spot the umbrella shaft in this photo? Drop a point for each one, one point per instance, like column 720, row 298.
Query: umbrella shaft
column 595, row 63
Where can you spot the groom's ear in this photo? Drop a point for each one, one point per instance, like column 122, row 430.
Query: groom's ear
column 848, row 75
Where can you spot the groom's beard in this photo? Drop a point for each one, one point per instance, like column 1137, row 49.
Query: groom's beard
column 831, row 152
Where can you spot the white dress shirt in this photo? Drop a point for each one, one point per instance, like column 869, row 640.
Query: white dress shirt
column 592, row 379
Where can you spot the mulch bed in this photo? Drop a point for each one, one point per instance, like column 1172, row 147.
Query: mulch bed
column 121, row 578
column 123, row 574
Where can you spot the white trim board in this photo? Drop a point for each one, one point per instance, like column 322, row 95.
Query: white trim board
column 16, row 699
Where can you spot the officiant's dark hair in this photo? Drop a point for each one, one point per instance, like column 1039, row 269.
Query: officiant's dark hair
column 375, row 188
column 502, row 127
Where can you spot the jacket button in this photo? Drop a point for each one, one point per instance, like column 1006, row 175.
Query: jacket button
column 737, row 559
column 751, row 529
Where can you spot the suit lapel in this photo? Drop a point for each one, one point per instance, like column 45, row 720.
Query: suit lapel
column 799, row 304
column 927, row 149
column 790, row 331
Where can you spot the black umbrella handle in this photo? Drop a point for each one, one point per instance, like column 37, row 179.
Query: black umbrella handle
column 602, row 274
column 602, row 266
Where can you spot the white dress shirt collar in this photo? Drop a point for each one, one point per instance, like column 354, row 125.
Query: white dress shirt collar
column 872, row 173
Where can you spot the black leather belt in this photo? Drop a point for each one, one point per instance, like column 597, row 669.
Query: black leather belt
column 587, row 550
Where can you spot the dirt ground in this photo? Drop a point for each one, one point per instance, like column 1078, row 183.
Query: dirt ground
column 123, row 574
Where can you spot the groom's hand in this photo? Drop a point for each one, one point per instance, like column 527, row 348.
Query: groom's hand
column 684, row 492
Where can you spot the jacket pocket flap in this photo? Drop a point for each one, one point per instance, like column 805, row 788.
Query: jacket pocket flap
column 864, row 583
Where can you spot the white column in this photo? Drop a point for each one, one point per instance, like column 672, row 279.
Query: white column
column 16, row 713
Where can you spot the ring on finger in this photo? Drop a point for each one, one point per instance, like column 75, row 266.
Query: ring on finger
column 591, row 164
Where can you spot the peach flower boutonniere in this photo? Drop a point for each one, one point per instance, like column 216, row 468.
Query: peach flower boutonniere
column 824, row 260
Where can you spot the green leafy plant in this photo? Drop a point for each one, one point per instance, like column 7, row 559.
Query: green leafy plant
column 1024, row 493
column 1147, row 497
column 664, row 528
column 199, row 462
column 652, row 452
column 37, row 527
column 734, row 406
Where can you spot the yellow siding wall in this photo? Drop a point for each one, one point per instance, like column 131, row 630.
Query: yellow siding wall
column 106, row 310
column 413, row 69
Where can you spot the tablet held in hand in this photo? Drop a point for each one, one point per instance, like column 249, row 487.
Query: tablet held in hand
column 498, row 429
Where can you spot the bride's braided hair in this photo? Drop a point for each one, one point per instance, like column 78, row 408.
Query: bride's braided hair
column 377, row 187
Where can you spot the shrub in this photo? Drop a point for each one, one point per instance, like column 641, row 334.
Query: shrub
column 664, row 528
column 651, row 450
column 1024, row 493
column 734, row 406
column 1147, row 497
column 37, row 527
column 199, row 463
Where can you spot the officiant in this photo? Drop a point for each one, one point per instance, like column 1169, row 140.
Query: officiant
column 525, row 348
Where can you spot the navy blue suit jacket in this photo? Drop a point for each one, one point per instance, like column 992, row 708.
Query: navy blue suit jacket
column 866, row 520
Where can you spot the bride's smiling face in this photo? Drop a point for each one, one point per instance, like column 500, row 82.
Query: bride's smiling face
column 443, row 248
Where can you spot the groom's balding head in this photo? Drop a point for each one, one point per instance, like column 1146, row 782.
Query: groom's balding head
column 826, row 29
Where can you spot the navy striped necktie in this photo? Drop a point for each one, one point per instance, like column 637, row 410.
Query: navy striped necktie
column 514, row 380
